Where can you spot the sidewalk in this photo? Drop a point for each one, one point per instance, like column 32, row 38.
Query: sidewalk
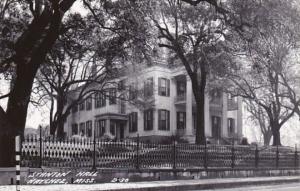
column 179, row 185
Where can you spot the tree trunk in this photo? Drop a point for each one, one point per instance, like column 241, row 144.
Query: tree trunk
column 199, row 94
column 276, row 136
column 267, row 138
column 31, row 49
column 200, row 121
column 16, row 112
column 7, row 142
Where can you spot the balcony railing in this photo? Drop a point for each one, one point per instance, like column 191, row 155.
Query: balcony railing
column 180, row 132
column 180, row 98
column 232, row 105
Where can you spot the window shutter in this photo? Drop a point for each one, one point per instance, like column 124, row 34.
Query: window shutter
column 159, row 118
column 145, row 119
column 159, row 86
column 129, row 122
column 145, row 89
column 177, row 120
column 168, row 87
column 168, row 120
column 136, row 121
column 151, row 86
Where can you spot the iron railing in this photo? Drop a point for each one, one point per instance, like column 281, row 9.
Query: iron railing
column 131, row 154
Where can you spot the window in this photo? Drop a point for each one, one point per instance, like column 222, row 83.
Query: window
column 132, row 92
column 148, row 119
column 163, row 120
column 231, row 126
column 216, row 126
column 88, row 126
column 88, row 103
column 215, row 95
column 82, row 129
column 121, row 85
column 181, row 86
column 180, row 120
column 194, row 121
column 82, row 106
column 75, row 108
column 75, row 129
column 100, row 100
column 112, row 96
column 148, row 87
column 133, row 121
column 163, row 87
column 99, row 128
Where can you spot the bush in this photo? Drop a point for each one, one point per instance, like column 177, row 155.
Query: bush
column 244, row 141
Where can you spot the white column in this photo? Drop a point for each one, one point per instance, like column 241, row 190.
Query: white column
column 173, row 116
column 189, row 107
column 107, row 126
column 207, row 122
column 239, row 120
column 224, row 126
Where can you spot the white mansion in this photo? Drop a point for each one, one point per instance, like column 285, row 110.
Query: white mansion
column 169, row 109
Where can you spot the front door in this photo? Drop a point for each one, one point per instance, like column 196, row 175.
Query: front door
column 216, row 127
column 121, row 131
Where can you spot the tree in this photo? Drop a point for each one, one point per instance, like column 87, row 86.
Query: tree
column 259, row 117
column 195, row 35
column 261, row 77
column 41, row 24
column 35, row 26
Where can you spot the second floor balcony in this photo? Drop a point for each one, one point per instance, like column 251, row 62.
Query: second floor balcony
column 179, row 99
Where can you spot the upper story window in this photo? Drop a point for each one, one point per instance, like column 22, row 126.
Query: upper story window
column 88, row 103
column 148, row 119
column 112, row 96
column 216, row 95
column 231, row 124
column 133, row 121
column 75, row 129
column 100, row 100
column 89, row 127
column 81, row 106
column 121, row 85
column 181, row 87
column 148, row 87
column 180, row 120
column 163, row 119
column 163, row 87
column 75, row 108
column 132, row 91
column 99, row 128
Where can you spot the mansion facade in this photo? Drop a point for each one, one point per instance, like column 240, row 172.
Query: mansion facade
column 164, row 107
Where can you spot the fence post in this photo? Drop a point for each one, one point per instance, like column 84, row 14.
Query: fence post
column 296, row 157
column 232, row 155
column 205, row 155
column 256, row 157
column 137, row 152
column 277, row 157
column 18, row 161
column 174, row 153
column 41, row 145
column 94, row 152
